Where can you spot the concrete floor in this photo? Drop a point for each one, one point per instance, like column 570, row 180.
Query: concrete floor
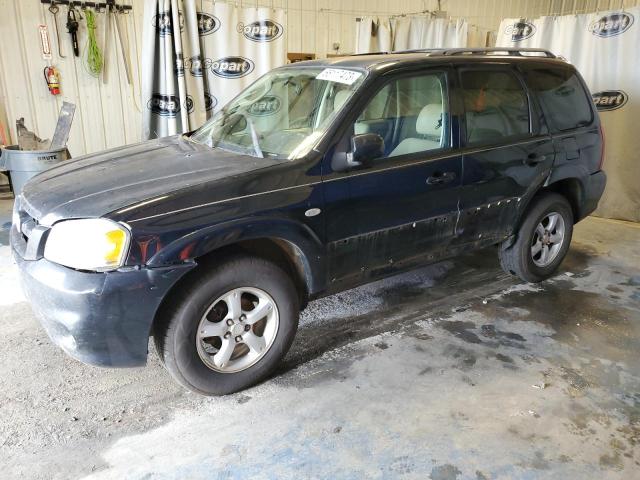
column 455, row 371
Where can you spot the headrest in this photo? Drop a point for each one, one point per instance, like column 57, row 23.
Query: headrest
column 429, row 120
column 339, row 99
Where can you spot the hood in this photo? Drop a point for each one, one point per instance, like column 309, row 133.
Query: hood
column 94, row 185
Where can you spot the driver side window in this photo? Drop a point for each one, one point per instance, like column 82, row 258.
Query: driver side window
column 409, row 114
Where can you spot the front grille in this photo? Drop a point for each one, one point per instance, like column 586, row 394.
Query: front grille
column 33, row 234
column 26, row 226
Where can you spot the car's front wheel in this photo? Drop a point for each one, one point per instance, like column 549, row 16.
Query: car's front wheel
column 542, row 240
column 227, row 328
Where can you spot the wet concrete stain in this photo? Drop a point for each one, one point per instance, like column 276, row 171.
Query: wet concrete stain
column 421, row 336
column 445, row 472
column 611, row 461
column 477, row 275
column 466, row 331
column 461, row 330
column 425, row 371
column 464, row 359
column 401, row 465
column 539, row 462
column 581, row 319
column 635, row 281
column 576, row 382
column 490, row 331
column 504, row 358
column 382, row 345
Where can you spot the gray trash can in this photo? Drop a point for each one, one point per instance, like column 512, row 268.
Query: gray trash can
column 24, row 164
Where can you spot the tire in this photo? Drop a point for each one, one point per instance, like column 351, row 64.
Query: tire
column 519, row 259
column 188, row 355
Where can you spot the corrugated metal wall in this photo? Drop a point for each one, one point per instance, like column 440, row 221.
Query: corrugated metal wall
column 108, row 114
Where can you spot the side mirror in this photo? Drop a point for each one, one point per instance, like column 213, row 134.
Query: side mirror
column 365, row 148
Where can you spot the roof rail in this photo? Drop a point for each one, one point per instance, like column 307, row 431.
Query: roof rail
column 517, row 52
column 419, row 50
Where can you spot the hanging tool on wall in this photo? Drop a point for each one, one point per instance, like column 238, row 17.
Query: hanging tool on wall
column 123, row 40
column 72, row 28
column 107, row 33
column 94, row 58
column 54, row 11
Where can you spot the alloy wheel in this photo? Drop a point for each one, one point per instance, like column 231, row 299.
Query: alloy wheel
column 548, row 239
column 237, row 330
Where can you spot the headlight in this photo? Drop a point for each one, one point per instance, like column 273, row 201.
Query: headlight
column 89, row 244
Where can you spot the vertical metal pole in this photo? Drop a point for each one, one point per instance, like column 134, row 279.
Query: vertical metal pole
column 107, row 32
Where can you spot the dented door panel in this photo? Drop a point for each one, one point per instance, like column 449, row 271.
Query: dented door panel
column 497, row 182
column 388, row 219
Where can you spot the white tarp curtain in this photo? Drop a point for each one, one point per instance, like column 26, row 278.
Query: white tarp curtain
column 604, row 47
column 220, row 49
column 385, row 34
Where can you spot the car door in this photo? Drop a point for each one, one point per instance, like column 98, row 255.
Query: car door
column 507, row 152
column 399, row 209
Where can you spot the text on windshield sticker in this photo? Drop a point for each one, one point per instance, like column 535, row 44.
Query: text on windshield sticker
column 339, row 75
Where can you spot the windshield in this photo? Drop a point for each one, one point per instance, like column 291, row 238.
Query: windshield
column 282, row 114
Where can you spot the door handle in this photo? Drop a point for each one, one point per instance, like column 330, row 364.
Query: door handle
column 534, row 159
column 438, row 178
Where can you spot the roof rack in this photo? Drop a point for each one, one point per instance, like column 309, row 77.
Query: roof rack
column 516, row 52
column 506, row 51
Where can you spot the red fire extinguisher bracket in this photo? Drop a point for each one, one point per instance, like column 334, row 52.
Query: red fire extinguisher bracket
column 52, row 77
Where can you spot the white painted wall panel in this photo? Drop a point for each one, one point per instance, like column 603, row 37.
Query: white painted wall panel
column 108, row 115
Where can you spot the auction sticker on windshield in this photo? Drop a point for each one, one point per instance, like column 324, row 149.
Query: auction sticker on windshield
column 339, row 75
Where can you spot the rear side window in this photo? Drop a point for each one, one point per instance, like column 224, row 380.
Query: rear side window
column 496, row 107
column 564, row 101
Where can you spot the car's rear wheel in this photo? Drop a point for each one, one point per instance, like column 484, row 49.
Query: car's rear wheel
column 228, row 327
column 542, row 240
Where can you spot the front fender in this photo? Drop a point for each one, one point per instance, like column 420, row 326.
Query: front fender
column 309, row 248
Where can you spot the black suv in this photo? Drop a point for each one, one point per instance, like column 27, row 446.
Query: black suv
column 320, row 176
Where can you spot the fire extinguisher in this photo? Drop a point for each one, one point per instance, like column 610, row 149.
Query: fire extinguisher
column 52, row 78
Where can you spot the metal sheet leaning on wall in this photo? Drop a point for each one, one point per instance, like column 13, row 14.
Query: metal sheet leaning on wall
column 219, row 51
column 603, row 46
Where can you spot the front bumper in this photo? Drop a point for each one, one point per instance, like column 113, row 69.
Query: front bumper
column 100, row 319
